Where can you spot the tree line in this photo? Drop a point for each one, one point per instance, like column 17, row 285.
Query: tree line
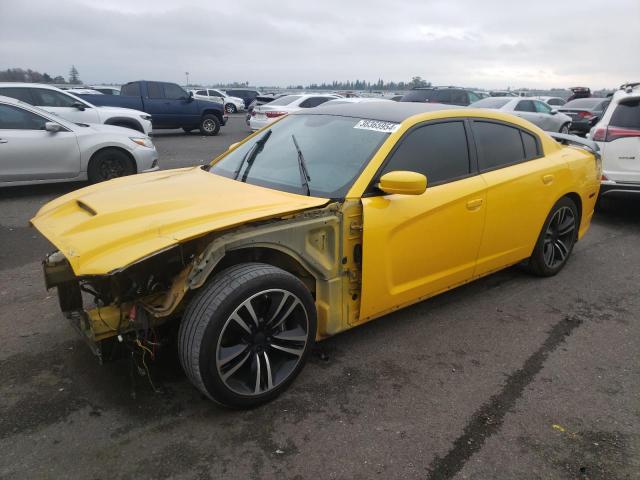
column 32, row 76
column 380, row 85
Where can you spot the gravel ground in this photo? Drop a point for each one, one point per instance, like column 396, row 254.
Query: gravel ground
column 508, row 377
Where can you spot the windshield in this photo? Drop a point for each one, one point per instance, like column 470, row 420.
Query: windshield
column 335, row 150
column 493, row 102
column 286, row 100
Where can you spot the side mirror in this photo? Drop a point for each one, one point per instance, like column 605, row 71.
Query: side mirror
column 554, row 111
column 233, row 145
column 79, row 106
column 189, row 97
column 403, row 183
column 53, row 127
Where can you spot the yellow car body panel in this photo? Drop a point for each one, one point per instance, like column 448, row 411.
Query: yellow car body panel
column 105, row 227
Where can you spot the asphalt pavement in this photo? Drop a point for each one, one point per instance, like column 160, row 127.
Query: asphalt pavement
column 510, row 377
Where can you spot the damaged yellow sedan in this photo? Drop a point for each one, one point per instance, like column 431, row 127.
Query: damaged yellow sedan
column 320, row 222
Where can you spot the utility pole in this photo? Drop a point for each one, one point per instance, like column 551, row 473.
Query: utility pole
column 187, row 74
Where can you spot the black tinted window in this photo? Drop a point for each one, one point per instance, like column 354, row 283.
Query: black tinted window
column 173, row 91
column 459, row 97
column 498, row 145
column 555, row 101
column 442, row 96
column 313, row 102
column 51, row 98
column 530, row 145
column 155, row 90
column 14, row 118
column 417, row 96
column 525, row 106
column 626, row 115
column 23, row 94
column 131, row 90
column 438, row 151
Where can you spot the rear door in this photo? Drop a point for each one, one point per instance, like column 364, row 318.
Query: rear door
column 61, row 104
column 547, row 120
column 28, row 152
column 621, row 150
column 526, row 109
column 418, row 245
column 522, row 185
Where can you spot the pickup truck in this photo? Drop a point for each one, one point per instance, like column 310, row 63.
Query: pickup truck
column 169, row 105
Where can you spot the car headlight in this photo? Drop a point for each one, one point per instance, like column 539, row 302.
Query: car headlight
column 142, row 141
column 146, row 117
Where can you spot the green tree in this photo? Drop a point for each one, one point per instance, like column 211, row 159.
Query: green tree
column 74, row 79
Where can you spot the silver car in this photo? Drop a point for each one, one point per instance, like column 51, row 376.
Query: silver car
column 40, row 147
column 536, row 111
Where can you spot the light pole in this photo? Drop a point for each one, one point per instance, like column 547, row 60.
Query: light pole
column 187, row 74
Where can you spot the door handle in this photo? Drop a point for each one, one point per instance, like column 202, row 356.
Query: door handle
column 474, row 204
column 4, row 140
column 547, row 179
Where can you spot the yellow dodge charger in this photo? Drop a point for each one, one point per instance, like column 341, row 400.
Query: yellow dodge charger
column 320, row 222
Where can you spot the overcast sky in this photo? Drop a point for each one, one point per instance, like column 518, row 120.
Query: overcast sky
column 492, row 43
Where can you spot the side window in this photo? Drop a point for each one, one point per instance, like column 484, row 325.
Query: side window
column 442, row 96
column 473, row 97
column 173, row 91
column 498, row 145
column 525, row 106
column 14, row 118
column 155, row 90
column 530, row 145
column 50, row 98
column 213, row 93
column 555, row 101
column 22, row 94
column 314, row 102
column 234, row 93
column 459, row 97
column 626, row 115
column 438, row 151
column 130, row 90
column 202, row 92
column 542, row 107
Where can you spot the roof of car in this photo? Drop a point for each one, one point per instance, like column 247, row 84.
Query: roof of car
column 383, row 111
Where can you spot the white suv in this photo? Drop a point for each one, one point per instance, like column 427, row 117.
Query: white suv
column 74, row 109
column 231, row 104
column 618, row 136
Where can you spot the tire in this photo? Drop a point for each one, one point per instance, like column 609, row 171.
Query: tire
column 554, row 245
column 564, row 129
column 222, row 346
column 209, row 125
column 230, row 108
column 109, row 163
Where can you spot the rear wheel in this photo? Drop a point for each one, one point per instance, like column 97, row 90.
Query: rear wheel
column 109, row 163
column 209, row 125
column 556, row 241
column 247, row 334
column 564, row 129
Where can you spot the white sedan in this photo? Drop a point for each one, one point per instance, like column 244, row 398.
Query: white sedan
column 535, row 111
column 265, row 114
column 40, row 147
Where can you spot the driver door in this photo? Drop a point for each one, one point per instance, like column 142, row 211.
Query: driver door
column 415, row 246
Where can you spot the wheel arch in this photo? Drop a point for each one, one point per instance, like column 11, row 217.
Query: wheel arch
column 212, row 111
column 575, row 197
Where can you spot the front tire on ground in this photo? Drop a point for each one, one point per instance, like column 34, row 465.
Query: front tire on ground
column 246, row 334
column 209, row 125
column 565, row 129
column 109, row 163
column 230, row 108
column 556, row 240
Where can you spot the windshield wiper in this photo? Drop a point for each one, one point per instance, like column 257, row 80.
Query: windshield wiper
column 304, row 173
column 251, row 155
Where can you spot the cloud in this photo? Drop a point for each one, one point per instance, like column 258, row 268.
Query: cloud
column 487, row 44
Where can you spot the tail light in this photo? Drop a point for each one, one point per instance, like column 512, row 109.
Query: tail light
column 253, row 113
column 609, row 134
column 274, row 114
column 586, row 115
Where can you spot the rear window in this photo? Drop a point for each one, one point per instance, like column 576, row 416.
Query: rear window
column 583, row 103
column 130, row 90
column 418, row 96
column 626, row 115
column 285, row 100
column 493, row 102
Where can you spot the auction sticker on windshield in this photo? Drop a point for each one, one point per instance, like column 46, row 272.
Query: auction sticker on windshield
column 377, row 126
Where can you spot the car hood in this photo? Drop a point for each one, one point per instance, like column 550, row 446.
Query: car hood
column 121, row 111
column 108, row 226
